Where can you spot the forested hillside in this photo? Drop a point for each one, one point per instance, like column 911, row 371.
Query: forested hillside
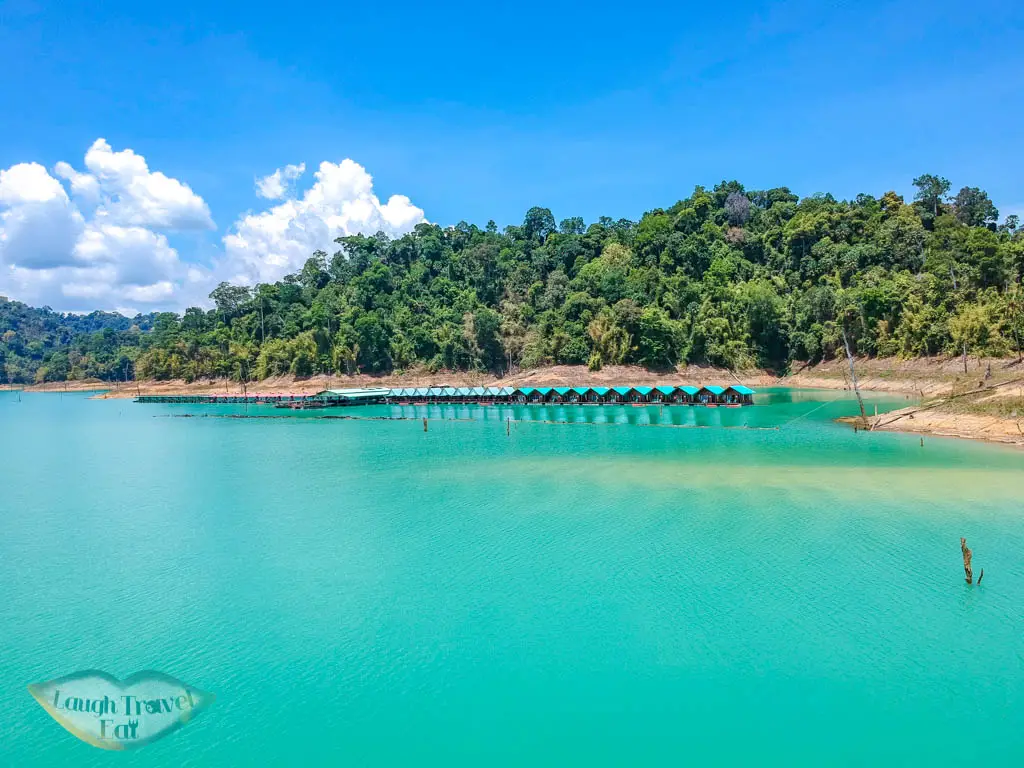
column 42, row 345
column 726, row 276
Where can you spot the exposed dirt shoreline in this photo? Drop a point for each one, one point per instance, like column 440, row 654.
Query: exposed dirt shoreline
column 985, row 403
column 989, row 412
column 559, row 375
column 992, row 429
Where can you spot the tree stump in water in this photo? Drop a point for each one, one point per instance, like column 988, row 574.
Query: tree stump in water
column 967, row 560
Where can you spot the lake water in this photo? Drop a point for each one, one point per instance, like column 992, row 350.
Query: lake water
column 364, row 593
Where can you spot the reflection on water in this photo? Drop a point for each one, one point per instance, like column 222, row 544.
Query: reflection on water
column 577, row 414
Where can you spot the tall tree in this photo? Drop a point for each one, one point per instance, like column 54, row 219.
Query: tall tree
column 538, row 224
column 931, row 191
column 973, row 208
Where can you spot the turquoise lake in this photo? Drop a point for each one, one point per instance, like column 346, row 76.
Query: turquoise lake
column 639, row 586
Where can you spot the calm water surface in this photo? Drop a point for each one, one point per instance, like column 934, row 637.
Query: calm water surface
column 606, row 591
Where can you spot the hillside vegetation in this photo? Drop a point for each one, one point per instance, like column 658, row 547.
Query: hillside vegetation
column 726, row 277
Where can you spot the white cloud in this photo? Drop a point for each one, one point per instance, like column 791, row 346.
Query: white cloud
column 104, row 245
column 29, row 183
column 83, row 185
column 103, row 255
column 277, row 185
column 138, row 256
column 110, row 267
column 40, row 225
column 265, row 246
column 134, row 195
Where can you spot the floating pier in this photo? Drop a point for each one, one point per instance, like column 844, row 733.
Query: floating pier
column 709, row 395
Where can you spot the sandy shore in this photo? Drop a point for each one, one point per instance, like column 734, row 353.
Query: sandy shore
column 989, row 411
column 986, row 403
column 993, row 429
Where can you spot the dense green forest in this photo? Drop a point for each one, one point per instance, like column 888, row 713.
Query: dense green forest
column 727, row 276
column 42, row 345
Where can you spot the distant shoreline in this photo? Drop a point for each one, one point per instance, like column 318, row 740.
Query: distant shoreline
column 991, row 414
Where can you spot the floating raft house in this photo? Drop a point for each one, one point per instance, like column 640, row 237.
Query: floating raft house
column 709, row 395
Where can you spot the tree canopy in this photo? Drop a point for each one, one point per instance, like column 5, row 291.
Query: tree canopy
column 726, row 276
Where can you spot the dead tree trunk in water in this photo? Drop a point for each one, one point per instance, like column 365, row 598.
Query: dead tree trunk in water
column 967, row 560
column 853, row 376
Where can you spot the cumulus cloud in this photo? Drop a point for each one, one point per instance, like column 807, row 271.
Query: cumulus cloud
column 132, row 194
column 83, row 185
column 29, row 183
column 136, row 256
column 277, row 185
column 39, row 226
column 96, row 238
column 96, row 248
column 265, row 246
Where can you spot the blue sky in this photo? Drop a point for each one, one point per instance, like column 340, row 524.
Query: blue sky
column 477, row 111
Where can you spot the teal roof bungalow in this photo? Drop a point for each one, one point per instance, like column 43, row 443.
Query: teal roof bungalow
column 661, row 394
column 490, row 395
column 640, row 395
column 738, row 394
column 578, row 394
column 530, row 394
column 710, row 394
column 558, row 395
column 522, row 394
column 617, row 394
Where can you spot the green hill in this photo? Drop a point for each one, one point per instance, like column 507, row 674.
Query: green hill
column 727, row 276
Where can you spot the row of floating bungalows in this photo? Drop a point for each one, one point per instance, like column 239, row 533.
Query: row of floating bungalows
column 671, row 395
column 662, row 395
